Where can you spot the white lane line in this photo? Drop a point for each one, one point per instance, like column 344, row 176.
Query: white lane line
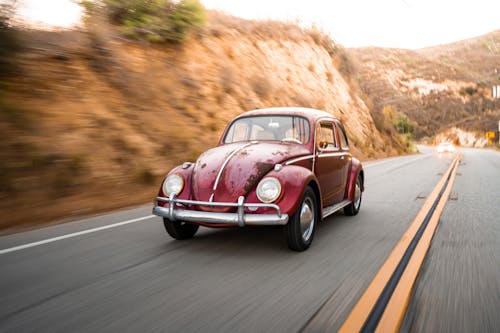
column 75, row 234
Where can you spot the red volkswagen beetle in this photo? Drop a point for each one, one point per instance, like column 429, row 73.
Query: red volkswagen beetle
column 278, row 166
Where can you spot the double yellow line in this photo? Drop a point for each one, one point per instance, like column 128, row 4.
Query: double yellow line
column 383, row 305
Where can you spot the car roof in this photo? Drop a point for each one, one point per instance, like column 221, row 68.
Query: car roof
column 309, row 113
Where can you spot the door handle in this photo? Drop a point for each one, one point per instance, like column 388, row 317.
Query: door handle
column 342, row 157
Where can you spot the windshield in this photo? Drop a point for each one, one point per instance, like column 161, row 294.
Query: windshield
column 269, row 128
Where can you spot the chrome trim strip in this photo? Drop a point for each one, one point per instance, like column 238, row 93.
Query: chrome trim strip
column 239, row 218
column 327, row 211
column 226, row 162
column 298, row 159
column 333, row 154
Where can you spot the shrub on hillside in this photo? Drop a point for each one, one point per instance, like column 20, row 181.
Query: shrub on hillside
column 468, row 90
column 403, row 124
column 156, row 20
column 384, row 121
column 397, row 126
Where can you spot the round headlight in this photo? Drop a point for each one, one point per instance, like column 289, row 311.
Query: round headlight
column 173, row 184
column 268, row 190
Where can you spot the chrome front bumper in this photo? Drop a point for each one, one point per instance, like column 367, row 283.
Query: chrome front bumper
column 240, row 218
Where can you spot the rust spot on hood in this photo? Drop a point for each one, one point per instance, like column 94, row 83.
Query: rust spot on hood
column 262, row 168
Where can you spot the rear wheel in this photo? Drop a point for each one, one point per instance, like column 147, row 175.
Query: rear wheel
column 302, row 224
column 353, row 208
column 179, row 229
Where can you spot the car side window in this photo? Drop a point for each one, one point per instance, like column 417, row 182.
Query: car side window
column 326, row 136
column 344, row 143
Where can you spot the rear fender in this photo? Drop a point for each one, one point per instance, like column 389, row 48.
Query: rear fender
column 356, row 169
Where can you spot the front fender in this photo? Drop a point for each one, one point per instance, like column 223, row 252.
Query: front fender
column 185, row 170
column 294, row 180
column 355, row 171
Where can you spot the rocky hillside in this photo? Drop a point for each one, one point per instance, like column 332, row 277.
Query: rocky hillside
column 438, row 88
column 91, row 120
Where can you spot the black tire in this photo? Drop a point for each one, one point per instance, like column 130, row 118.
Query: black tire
column 180, row 230
column 353, row 208
column 299, row 234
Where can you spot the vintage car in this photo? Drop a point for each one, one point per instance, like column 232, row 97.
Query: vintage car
column 285, row 166
column 445, row 147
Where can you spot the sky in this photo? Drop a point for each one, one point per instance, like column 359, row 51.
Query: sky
column 408, row 24
column 388, row 23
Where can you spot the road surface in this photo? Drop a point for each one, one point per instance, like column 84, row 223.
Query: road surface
column 131, row 277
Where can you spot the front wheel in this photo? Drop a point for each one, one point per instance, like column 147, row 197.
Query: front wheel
column 302, row 224
column 353, row 208
column 179, row 229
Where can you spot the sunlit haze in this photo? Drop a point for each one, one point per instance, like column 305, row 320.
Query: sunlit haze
column 50, row 13
column 388, row 23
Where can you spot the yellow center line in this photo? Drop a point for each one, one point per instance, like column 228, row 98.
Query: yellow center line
column 396, row 307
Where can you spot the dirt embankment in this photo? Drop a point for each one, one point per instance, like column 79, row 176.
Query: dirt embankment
column 91, row 121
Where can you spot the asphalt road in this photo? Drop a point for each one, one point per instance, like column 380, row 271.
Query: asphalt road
column 133, row 277
column 459, row 285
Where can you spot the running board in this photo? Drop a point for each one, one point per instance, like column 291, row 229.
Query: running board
column 327, row 211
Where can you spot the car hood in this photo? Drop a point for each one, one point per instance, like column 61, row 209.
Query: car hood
column 224, row 173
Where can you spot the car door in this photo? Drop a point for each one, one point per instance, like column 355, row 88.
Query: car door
column 329, row 165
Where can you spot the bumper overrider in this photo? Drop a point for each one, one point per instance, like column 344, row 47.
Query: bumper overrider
column 239, row 218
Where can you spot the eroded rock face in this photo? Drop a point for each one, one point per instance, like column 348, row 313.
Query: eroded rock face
column 462, row 138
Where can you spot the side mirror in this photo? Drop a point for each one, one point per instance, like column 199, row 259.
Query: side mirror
column 322, row 144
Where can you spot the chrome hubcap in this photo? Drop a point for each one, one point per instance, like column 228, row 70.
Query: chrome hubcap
column 307, row 219
column 357, row 194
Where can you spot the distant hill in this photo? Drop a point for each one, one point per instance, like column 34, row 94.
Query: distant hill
column 438, row 87
column 477, row 57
